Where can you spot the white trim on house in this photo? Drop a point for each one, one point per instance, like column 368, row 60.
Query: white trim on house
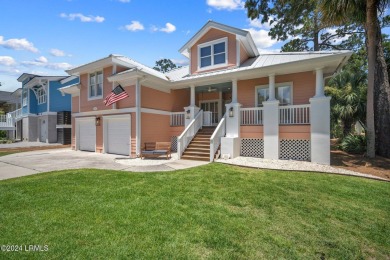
column 63, row 126
column 211, row 45
column 281, row 84
column 104, row 112
column 48, row 96
column 73, row 90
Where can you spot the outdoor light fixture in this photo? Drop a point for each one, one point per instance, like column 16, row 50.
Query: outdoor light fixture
column 188, row 114
column 97, row 121
column 231, row 112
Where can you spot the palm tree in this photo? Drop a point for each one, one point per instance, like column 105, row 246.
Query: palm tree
column 348, row 104
column 366, row 13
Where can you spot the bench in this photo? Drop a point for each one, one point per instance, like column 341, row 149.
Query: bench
column 156, row 149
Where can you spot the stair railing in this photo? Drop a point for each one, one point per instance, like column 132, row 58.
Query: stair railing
column 215, row 139
column 188, row 134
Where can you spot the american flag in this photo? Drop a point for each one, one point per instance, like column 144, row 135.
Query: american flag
column 117, row 94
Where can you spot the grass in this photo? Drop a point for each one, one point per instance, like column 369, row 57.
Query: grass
column 8, row 152
column 214, row 211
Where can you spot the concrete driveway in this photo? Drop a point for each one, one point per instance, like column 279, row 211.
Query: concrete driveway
column 28, row 163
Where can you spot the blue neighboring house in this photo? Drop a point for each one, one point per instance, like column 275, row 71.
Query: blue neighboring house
column 41, row 116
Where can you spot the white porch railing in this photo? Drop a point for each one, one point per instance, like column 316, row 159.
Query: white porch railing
column 294, row 115
column 215, row 139
column 252, row 116
column 188, row 134
column 6, row 120
column 177, row 119
column 16, row 114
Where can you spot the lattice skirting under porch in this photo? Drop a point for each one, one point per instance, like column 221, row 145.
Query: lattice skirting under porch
column 174, row 143
column 252, row 147
column 295, row 150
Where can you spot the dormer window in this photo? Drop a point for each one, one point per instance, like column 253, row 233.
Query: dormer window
column 212, row 54
column 95, row 89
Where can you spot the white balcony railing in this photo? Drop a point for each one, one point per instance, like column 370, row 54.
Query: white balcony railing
column 188, row 134
column 294, row 115
column 215, row 139
column 6, row 120
column 252, row 116
column 177, row 119
column 16, row 114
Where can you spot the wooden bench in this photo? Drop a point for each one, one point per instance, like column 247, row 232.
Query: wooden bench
column 156, row 149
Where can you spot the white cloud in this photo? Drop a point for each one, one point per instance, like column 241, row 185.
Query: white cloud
column 153, row 28
column 83, row 18
column 7, row 61
column 134, row 26
column 44, row 63
column 41, row 59
column 169, row 28
column 257, row 23
column 10, row 71
column 124, row 1
column 226, row 4
column 184, row 62
column 261, row 38
column 57, row 53
column 336, row 40
column 18, row 44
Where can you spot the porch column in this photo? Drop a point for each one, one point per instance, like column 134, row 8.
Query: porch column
column 319, row 82
column 320, row 122
column 271, row 122
column 230, row 145
column 138, row 117
column 271, row 87
column 191, row 111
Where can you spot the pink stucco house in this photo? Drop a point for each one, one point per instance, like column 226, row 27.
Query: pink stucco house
column 229, row 101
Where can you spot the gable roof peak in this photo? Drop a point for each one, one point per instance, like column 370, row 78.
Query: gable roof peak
column 242, row 35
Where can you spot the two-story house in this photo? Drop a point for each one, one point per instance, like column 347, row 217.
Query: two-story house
column 263, row 105
column 43, row 109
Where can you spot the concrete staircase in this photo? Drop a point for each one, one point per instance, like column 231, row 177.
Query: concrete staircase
column 199, row 148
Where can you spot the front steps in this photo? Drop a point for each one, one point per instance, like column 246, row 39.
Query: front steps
column 199, row 148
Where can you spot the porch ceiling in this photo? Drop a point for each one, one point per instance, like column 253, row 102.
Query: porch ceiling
column 224, row 87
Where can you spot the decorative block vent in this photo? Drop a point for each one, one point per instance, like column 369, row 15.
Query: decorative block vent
column 252, row 147
column 295, row 150
column 174, row 143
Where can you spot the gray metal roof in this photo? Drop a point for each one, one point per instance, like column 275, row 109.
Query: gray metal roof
column 261, row 61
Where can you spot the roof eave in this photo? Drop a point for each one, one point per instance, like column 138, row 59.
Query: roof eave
column 73, row 90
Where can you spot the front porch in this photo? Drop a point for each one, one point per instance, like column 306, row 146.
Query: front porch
column 274, row 130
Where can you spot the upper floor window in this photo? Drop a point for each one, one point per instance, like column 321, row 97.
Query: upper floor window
column 212, row 54
column 41, row 96
column 95, row 88
column 24, row 97
column 283, row 93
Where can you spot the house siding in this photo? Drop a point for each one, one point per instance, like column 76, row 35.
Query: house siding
column 303, row 88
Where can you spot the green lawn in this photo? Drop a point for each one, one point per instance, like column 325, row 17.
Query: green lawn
column 213, row 211
column 8, row 152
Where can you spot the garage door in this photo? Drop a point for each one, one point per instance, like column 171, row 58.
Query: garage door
column 87, row 134
column 118, row 135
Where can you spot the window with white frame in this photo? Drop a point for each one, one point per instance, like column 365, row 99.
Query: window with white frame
column 95, row 88
column 212, row 54
column 24, row 97
column 283, row 93
column 41, row 96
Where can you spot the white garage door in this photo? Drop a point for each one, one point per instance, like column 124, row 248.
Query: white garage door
column 118, row 135
column 87, row 134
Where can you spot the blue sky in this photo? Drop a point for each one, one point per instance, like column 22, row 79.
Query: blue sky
column 48, row 36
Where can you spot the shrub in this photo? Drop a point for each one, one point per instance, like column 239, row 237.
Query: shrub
column 354, row 144
column 3, row 134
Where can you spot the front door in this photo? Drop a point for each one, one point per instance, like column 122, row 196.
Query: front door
column 212, row 107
